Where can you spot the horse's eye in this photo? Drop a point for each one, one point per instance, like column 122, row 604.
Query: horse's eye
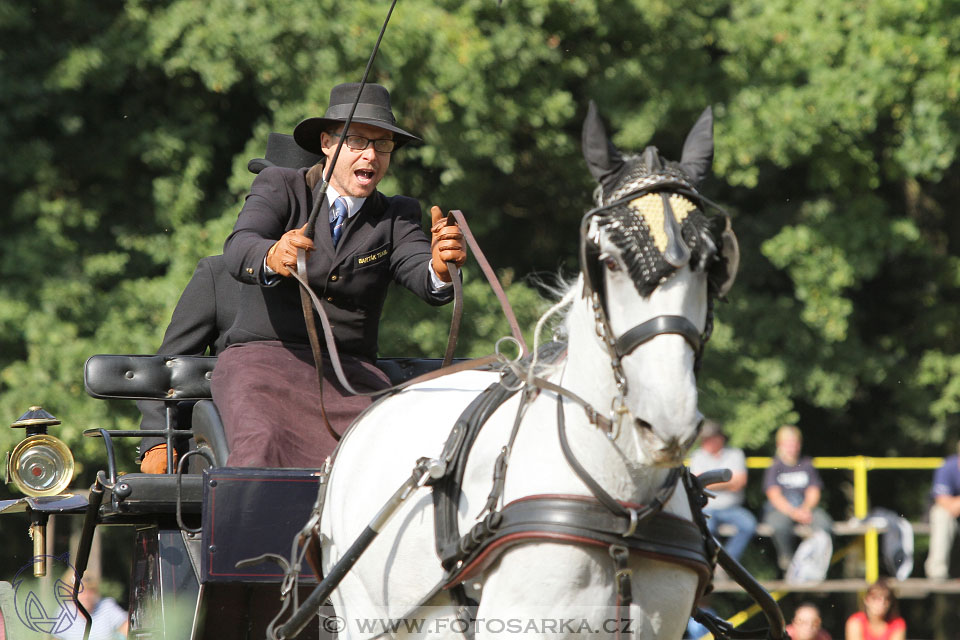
column 611, row 263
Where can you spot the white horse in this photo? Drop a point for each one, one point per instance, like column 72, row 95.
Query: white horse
column 651, row 255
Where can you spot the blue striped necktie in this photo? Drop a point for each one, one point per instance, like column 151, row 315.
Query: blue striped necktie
column 336, row 223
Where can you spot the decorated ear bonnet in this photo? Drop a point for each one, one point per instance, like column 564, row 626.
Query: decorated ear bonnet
column 652, row 212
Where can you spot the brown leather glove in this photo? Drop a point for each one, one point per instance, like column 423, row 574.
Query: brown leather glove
column 283, row 253
column 155, row 459
column 447, row 244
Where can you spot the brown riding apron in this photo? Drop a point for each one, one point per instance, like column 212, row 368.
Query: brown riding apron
column 269, row 402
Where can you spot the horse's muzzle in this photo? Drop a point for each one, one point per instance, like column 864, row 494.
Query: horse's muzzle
column 663, row 452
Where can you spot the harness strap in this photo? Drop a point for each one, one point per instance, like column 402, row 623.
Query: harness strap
column 503, row 460
column 615, row 507
column 599, row 493
column 594, row 416
column 658, row 326
column 583, row 520
column 446, row 490
column 623, row 582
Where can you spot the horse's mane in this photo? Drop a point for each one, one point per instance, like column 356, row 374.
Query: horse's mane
column 558, row 290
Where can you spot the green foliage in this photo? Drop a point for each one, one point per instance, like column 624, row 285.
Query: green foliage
column 412, row 329
column 127, row 126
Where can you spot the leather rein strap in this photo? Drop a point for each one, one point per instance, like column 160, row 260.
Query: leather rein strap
column 310, row 301
column 494, row 284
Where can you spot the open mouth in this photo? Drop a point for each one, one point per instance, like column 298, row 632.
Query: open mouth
column 364, row 176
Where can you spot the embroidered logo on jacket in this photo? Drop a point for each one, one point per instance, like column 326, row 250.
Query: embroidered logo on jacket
column 375, row 255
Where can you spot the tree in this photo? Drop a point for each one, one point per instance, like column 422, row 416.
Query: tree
column 128, row 126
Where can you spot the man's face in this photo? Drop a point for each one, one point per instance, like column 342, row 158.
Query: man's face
column 788, row 447
column 713, row 444
column 357, row 172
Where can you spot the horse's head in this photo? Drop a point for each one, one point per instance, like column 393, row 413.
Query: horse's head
column 653, row 261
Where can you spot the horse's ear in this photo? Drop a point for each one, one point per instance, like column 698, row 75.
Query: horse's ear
column 603, row 158
column 698, row 148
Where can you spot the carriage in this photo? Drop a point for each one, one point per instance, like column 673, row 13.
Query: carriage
column 192, row 528
column 564, row 469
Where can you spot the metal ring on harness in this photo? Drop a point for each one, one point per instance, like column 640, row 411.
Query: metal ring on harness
column 634, row 521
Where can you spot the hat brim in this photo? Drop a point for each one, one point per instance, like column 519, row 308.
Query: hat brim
column 308, row 133
column 256, row 165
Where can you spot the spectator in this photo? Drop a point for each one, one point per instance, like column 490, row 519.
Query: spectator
column 806, row 624
column 793, row 490
column 727, row 507
column 108, row 619
column 944, row 512
column 879, row 618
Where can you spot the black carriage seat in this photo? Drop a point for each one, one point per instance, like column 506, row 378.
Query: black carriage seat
column 184, row 381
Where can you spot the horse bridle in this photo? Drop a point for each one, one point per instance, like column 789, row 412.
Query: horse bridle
column 590, row 254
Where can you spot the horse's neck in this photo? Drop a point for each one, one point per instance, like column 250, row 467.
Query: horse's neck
column 588, row 372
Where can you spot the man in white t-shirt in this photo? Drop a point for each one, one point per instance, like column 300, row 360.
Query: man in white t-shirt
column 727, row 507
column 108, row 620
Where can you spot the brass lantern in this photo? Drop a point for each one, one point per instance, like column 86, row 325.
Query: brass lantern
column 40, row 464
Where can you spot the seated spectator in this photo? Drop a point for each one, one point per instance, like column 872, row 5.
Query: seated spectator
column 108, row 619
column 944, row 512
column 793, row 490
column 727, row 507
column 878, row 619
column 806, row 624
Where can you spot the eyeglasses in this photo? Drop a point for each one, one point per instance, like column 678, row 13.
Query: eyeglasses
column 359, row 143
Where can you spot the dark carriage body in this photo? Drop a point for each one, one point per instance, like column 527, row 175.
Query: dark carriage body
column 192, row 530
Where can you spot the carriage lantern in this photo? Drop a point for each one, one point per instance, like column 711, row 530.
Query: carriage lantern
column 40, row 464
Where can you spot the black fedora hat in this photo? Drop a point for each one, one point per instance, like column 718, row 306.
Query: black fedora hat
column 283, row 151
column 373, row 109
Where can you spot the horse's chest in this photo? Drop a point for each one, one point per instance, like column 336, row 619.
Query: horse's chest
column 536, row 463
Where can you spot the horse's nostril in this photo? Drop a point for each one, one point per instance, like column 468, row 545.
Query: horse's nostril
column 643, row 424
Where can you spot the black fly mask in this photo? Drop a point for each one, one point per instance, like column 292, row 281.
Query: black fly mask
column 651, row 210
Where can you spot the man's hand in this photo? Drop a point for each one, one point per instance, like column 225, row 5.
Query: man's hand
column 155, row 459
column 447, row 244
column 283, row 254
column 801, row 515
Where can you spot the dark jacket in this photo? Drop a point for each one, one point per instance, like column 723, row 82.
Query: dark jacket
column 206, row 309
column 384, row 241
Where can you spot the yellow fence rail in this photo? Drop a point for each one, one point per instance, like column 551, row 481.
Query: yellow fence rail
column 860, row 466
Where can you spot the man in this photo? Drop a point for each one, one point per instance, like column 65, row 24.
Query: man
column 945, row 494
column 727, row 507
column 206, row 309
column 793, row 489
column 265, row 384
column 108, row 620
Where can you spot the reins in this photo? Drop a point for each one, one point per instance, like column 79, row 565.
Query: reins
column 310, row 301
column 626, row 528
